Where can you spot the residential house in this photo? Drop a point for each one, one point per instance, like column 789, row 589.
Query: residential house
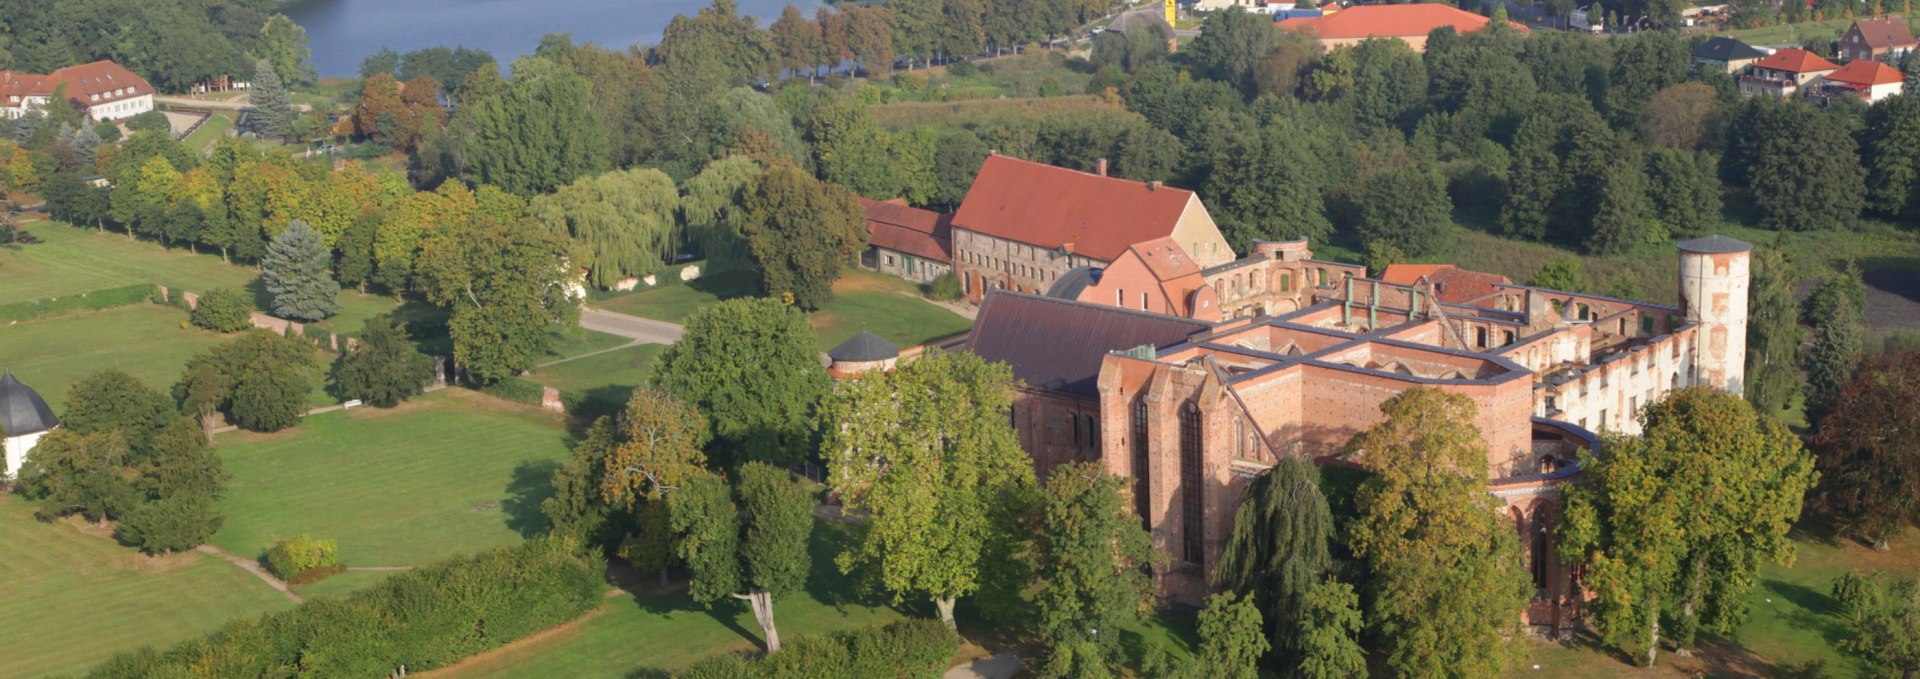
column 1876, row 38
column 1409, row 23
column 1023, row 224
column 905, row 241
column 103, row 90
column 1725, row 55
column 1864, row 79
column 1784, row 72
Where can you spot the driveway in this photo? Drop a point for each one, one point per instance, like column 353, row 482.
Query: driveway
column 640, row 330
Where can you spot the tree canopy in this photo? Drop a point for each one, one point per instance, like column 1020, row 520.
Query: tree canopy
column 751, row 365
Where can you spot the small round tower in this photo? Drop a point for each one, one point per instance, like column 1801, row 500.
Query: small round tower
column 1713, row 295
column 861, row 354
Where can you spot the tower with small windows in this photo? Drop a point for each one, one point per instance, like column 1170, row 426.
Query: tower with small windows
column 1713, row 295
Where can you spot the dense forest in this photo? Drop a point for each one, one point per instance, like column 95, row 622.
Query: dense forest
column 172, row 43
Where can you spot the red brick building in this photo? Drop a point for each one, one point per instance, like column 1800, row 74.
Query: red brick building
column 1192, row 409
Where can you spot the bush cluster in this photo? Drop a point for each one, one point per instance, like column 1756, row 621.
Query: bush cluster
column 301, row 553
column 904, row 649
column 85, row 301
column 421, row 619
column 944, row 287
column 223, row 310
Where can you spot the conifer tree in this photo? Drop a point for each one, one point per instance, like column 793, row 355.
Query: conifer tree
column 272, row 114
column 296, row 271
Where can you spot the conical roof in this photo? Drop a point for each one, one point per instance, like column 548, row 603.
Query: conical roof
column 863, row 347
column 22, row 411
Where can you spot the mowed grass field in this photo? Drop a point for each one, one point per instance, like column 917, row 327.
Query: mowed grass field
column 649, row 633
column 886, row 306
column 444, row 473
column 71, row 260
column 145, row 340
column 70, row 597
column 602, row 382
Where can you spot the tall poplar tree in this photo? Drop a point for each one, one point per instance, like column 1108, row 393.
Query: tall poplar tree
column 539, row 134
column 1278, row 552
column 928, row 453
column 1448, row 575
column 1773, row 332
column 1673, row 525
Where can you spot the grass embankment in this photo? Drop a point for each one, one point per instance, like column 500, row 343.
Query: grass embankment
column 1795, row 34
column 886, row 306
column 145, row 340
column 70, row 596
column 70, row 260
column 217, row 126
column 444, row 473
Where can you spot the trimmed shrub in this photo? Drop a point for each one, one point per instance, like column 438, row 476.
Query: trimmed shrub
column 516, row 389
column 299, row 554
column 422, row 619
column 904, row 649
column 223, row 310
column 313, row 575
column 85, row 301
column 944, row 287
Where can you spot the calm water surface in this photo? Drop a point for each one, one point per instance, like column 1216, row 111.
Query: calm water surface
column 343, row 32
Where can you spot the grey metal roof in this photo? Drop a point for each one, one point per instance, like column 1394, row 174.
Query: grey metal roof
column 863, row 347
column 1077, row 279
column 22, row 411
column 1059, row 344
column 1714, row 245
column 1726, row 49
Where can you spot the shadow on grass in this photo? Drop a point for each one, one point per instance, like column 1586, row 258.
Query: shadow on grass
column 532, row 484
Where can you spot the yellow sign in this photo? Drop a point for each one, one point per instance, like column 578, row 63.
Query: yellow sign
column 1170, row 8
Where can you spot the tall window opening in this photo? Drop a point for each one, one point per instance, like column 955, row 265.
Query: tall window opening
column 1192, row 497
column 1142, row 503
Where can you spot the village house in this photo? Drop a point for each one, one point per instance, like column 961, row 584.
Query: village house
column 1410, row 23
column 1864, row 79
column 1725, row 55
column 103, row 90
column 1191, row 410
column 1876, row 39
column 24, row 418
column 1784, row 72
column 905, row 241
column 1023, row 224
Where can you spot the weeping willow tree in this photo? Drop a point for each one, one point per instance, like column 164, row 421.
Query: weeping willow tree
column 713, row 213
column 618, row 224
column 1278, row 552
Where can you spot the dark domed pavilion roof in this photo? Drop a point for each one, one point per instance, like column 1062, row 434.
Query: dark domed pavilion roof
column 1713, row 245
column 22, row 411
column 864, row 347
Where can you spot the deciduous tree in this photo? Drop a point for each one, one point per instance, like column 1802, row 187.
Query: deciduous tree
column 259, row 378
column 1883, row 612
column 113, row 401
column 74, row 473
column 385, row 368
column 1278, row 552
column 1446, row 567
column 748, row 542
column 1869, row 462
column 539, row 133
column 620, row 224
column 1773, row 332
column 927, row 451
column 1406, row 206
column 506, row 285
column 1231, row 43
column 800, row 231
column 1673, row 525
column 1093, row 556
column 1838, row 339
column 751, row 365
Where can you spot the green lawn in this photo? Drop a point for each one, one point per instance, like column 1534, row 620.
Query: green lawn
column 650, row 633
column 884, row 305
column 145, row 340
column 69, row 599
column 211, row 131
column 602, row 382
column 71, row 260
column 1790, row 33
column 445, row 473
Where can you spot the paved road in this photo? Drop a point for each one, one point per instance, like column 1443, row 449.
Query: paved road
column 640, row 330
column 190, row 102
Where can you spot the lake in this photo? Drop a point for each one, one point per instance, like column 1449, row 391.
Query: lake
column 343, row 32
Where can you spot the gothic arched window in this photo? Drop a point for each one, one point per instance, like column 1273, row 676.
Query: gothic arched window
column 1192, row 496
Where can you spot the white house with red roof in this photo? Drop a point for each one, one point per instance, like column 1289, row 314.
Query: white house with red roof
column 1409, row 23
column 103, row 90
column 1025, row 224
column 1784, row 72
column 1863, row 79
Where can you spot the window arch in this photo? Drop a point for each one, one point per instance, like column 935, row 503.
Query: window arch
column 1142, row 504
column 1192, row 496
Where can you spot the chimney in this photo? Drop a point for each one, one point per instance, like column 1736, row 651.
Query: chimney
column 1100, row 167
column 1153, row 185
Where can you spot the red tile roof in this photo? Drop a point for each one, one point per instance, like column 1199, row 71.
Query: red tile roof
column 1453, row 285
column 921, row 233
column 1053, row 207
column 1389, row 21
column 1884, row 32
column 1866, row 72
column 105, row 79
column 1795, row 60
column 1165, row 259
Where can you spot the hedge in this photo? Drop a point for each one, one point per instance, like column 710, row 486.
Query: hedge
column 517, row 389
column 85, row 301
column 299, row 554
column 903, row 649
column 420, row 619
